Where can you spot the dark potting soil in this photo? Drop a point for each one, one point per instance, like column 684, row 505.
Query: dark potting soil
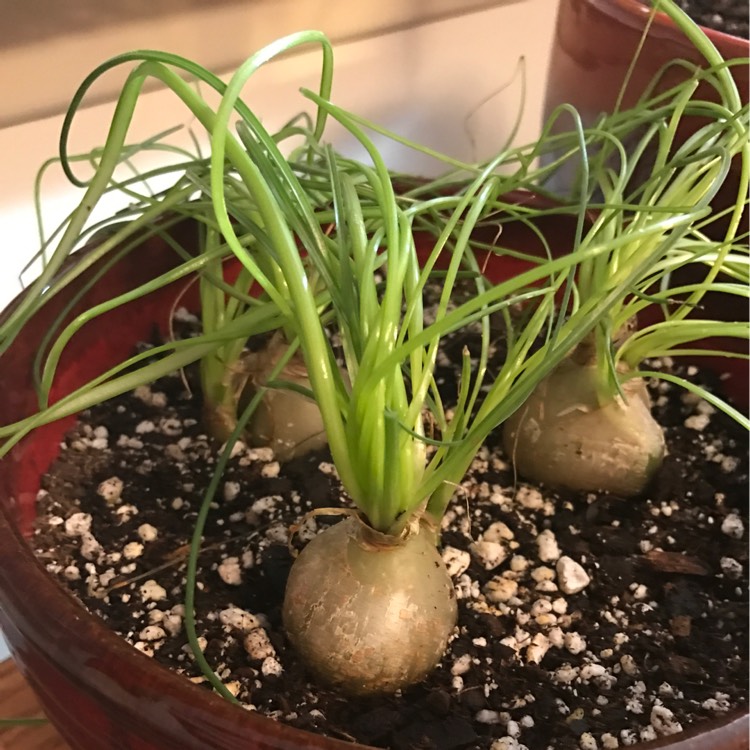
column 585, row 620
column 728, row 16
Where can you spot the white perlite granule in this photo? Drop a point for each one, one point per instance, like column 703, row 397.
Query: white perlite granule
column 271, row 470
column 500, row 589
column 719, row 704
column 543, row 573
column 590, row 672
column 697, row 422
column 529, row 498
column 485, row 716
column 574, row 642
column 78, row 524
column 461, row 665
column 733, row 526
column 230, row 571
column 151, row 591
column 488, row 554
column 571, row 576
column 90, row 547
column 258, row 645
column 539, row 646
column 498, row 532
column 663, row 720
column 239, row 619
column 271, row 667
column 152, row 633
column 233, row 687
column 110, row 490
column 144, row 427
column 172, row 623
column 231, row 491
column 456, row 561
column 132, row 550
column 126, row 512
column 546, row 543
column 518, row 563
column 730, row 567
column 147, row 532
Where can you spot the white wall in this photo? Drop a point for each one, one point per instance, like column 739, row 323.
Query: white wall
column 76, row 35
column 422, row 82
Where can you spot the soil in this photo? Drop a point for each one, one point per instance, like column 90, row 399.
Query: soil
column 585, row 620
column 728, row 16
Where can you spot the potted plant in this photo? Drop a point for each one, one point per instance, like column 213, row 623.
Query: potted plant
column 351, row 223
column 558, row 451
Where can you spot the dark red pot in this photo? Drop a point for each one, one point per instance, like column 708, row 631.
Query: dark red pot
column 596, row 40
column 593, row 47
column 100, row 693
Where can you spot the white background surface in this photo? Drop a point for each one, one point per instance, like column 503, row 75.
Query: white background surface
column 454, row 84
column 427, row 83
column 76, row 35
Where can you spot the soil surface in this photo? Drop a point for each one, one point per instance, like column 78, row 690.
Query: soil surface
column 585, row 620
column 728, row 16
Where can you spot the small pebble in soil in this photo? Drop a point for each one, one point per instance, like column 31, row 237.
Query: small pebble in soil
column 111, row 490
column 571, row 575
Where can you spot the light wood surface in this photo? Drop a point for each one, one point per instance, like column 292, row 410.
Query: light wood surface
column 18, row 700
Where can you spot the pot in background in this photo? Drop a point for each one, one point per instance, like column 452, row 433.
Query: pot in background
column 595, row 42
column 99, row 692
column 593, row 47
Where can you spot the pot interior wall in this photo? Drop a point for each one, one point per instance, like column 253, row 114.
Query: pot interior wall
column 594, row 45
column 593, row 48
column 98, row 346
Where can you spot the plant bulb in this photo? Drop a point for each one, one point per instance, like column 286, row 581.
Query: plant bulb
column 563, row 437
column 287, row 421
column 369, row 613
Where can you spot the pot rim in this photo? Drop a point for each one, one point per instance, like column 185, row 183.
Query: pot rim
column 19, row 564
column 730, row 729
column 636, row 13
column 69, row 628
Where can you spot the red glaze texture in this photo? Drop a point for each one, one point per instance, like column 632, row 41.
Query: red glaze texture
column 100, row 693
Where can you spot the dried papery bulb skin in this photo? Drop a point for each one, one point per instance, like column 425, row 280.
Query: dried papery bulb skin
column 368, row 614
column 562, row 437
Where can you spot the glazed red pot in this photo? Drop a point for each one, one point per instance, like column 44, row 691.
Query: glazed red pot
column 100, row 693
column 595, row 42
column 593, row 47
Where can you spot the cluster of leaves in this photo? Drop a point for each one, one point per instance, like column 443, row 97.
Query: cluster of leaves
column 325, row 242
column 642, row 207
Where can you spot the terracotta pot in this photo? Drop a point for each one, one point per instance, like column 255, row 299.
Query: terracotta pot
column 594, row 44
column 100, row 693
